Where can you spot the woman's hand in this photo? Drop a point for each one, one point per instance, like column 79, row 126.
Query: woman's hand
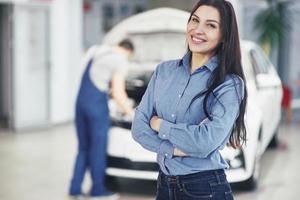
column 155, row 123
column 178, row 152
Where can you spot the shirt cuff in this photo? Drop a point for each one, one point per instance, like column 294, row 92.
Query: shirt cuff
column 164, row 130
column 166, row 149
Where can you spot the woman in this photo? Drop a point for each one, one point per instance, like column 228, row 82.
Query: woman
column 194, row 106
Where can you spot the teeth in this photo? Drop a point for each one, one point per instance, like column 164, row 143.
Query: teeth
column 197, row 39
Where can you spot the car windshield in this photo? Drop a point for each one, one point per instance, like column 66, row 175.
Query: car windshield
column 158, row 46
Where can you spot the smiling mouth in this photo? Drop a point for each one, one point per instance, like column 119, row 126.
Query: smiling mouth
column 197, row 40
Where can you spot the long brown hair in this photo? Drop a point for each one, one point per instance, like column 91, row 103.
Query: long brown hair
column 229, row 57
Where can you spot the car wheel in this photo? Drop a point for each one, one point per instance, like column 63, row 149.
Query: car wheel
column 112, row 183
column 275, row 140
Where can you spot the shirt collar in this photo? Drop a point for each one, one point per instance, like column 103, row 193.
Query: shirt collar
column 212, row 63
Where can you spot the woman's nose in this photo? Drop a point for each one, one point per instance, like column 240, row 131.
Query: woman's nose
column 199, row 28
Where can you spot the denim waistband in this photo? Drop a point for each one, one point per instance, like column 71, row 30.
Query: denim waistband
column 210, row 174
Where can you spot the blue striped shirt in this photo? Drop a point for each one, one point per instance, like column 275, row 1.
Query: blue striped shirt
column 185, row 126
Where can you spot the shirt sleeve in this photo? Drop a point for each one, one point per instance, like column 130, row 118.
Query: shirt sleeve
column 202, row 139
column 141, row 130
column 121, row 65
column 88, row 55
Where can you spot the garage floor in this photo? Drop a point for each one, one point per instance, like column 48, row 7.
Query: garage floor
column 37, row 165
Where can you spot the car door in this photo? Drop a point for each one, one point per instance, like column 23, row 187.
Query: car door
column 268, row 95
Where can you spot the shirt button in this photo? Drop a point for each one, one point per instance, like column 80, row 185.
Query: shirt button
column 166, row 154
column 179, row 95
column 173, row 115
column 164, row 135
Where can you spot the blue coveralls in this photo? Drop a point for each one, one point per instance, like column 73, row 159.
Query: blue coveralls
column 92, row 124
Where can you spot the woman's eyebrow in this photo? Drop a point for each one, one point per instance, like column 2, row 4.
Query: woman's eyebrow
column 195, row 16
column 208, row 20
column 212, row 20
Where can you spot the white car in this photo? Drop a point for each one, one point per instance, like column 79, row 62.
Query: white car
column 159, row 35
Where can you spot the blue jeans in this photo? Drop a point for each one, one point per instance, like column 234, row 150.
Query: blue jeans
column 199, row 186
column 92, row 124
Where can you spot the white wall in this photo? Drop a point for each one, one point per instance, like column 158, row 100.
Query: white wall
column 238, row 8
column 66, row 53
column 30, row 66
column 92, row 25
column 14, row 1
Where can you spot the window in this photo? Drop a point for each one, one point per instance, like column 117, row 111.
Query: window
column 124, row 10
column 108, row 16
column 247, row 66
column 259, row 61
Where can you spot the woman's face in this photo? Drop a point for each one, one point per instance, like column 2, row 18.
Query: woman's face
column 203, row 30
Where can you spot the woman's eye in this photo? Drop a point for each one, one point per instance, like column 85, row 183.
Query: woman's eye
column 211, row 25
column 195, row 20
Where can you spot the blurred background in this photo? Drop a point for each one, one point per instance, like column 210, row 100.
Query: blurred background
column 42, row 43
